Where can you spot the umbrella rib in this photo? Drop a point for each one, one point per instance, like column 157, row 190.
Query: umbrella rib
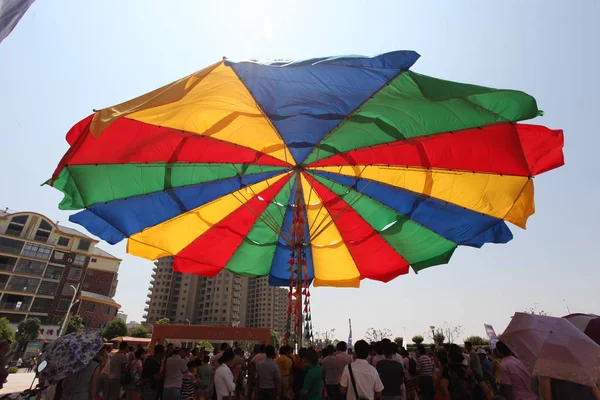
column 255, row 194
column 259, row 217
column 311, row 188
column 323, row 204
column 320, row 208
column 245, row 203
column 360, row 194
column 266, row 180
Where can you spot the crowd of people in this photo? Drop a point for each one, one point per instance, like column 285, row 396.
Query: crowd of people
column 381, row 370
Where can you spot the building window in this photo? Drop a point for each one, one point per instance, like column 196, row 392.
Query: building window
column 63, row 241
column 63, row 305
column 37, row 251
column 16, row 225
column 30, row 267
column 40, row 304
column 80, row 259
column 48, row 288
column 74, row 274
column 54, row 272
column 10, row 245
column 90, row 307
column 94, row 260
column 84, row 244
column 106, row 309
column 7, row 263
column 43, row 232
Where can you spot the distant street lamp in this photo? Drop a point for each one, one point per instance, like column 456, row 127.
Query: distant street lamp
column 432, row 333
column 63, row 328
column 187, row 340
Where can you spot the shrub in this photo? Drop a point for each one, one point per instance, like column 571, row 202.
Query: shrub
column 13, row 370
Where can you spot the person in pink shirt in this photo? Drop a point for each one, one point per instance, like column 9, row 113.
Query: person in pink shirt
column 516, row 381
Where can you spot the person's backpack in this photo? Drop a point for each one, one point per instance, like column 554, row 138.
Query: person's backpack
column 412, row 366
column 459, row 387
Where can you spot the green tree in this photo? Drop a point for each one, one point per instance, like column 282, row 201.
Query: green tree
column 439, row 338
column 207, row 346
column 163, row 321
column 6, row 332
column 477, row 341
column 274, row 338
column 399, row 341
column 75, row 324
column 139, row 332
column 27, row 330
column 418, row 339
column 114, row 328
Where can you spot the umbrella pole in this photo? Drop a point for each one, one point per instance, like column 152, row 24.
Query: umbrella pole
column 299, row 236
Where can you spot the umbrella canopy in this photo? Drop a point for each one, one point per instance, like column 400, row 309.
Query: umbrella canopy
column 586, row 323
column 386, row 168
column 70, row 354
column 11, row 12
column 553, row 347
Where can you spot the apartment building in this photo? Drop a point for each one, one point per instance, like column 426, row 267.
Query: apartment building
column 225, row 300
column 194, row 299
column 266, row 305
column 43, row 265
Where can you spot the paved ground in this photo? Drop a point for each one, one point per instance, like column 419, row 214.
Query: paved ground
column 18, row 382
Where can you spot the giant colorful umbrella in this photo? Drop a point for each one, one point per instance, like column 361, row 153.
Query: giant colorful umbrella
column 329, row 170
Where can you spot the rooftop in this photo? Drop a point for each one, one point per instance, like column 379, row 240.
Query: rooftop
column 98, row 297
column 64, row 229
column 99, row 252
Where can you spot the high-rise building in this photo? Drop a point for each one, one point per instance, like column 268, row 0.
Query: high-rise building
column 266, row 305
column 186, row 298
column 122, row 316
column 225, row 300
column 43, row 265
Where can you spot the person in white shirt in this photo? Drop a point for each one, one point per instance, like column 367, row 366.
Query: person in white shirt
column 366, row 383
column 175, row 367
column 118, row 362
column 224, row 378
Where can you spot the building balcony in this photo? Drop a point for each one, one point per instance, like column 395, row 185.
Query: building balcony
column 30, row 267
column 14, row 306
column 19, row 287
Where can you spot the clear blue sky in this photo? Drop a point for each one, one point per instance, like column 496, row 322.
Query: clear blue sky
column 67, row 57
